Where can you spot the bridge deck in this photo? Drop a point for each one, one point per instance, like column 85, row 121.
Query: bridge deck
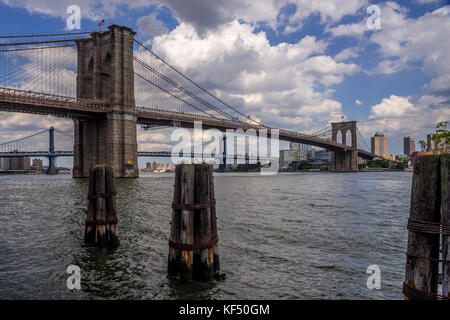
column 17, row 100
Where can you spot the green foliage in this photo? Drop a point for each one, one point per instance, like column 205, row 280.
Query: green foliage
column 378, row 164
column 442, row 137
column 400, row 166
column 304, row 165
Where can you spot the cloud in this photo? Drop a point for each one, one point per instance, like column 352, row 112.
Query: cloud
column 206, row 15
column 276, row 84
column 358, row 102
column 353, row 29
column 404, row 41
column 346, row 54
column 150, row 25
column 397, row 115
column 394, row 106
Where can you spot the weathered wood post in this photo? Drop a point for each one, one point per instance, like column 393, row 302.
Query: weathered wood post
column 445, row 221
column 101, row 221
column 421, row 276
column 193, row 242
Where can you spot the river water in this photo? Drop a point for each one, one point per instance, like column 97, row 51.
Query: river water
column 288, row 236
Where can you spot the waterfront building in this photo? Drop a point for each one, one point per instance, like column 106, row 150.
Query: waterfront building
column 37, row 164
column 4, row 163
column 379, row 144
column 312, row 154
column 294, row 146
column 288, row 156
column 19, row 163
column 408, row 146
column 431, row 143
column 323, row 156
column 423, row 147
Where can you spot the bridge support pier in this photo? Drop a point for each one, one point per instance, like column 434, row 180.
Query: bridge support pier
column 51, row 148
column 111, row 140
column 105, row 73
column 346, row 160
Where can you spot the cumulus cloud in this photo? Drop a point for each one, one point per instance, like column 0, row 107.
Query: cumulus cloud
column 404, row 41
column 150, row 25
column 206, row 15
column 358, row 102
column 276, row 84
column 394, row 106
column 398, row 115
column 346, row 54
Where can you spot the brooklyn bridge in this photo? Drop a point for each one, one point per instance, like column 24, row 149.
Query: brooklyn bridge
column 109, row 82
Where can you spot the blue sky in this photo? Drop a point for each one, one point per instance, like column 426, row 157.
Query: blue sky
column 294, row 64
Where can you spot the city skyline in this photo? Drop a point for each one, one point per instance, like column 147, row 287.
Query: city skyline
column 336, row 58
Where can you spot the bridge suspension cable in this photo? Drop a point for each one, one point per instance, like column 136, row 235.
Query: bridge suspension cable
column 203, row 90
column 322, row 132
column 39, row 66
column 177, row 86
column 39, row 142
column 33, row 142
column 364, row 141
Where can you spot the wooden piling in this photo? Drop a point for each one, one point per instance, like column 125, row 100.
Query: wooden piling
column 174, row 253
column 192, row 235
column 101, row 221
column 421, row 276
column 445, row 221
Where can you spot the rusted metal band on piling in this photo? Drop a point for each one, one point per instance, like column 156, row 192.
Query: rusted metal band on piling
column 417, row 294
column 191, row 247
column 193, row 206
column 428, row 227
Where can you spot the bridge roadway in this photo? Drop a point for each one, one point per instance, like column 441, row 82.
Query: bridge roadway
column 16, row 100
column 159, row 154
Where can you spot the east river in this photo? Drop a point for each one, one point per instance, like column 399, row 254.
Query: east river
column 288, row 236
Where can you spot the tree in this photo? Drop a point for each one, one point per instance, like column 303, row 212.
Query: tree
column 442, row 138
column 304, row 165
column 378, row 163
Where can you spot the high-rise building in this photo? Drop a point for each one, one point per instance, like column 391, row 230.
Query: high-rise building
column 408, row 146
column 4, row 163
column 431, row 143
column 37, row 164
column 19, row 163
column 379, row 144
column 294, row 145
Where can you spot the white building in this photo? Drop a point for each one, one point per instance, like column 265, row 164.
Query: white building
column 288, row 156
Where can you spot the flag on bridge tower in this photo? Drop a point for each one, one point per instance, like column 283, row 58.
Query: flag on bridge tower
column 101, row 23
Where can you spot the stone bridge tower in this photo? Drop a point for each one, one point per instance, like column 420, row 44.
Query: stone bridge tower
column 346, row 160
column 105, row 73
